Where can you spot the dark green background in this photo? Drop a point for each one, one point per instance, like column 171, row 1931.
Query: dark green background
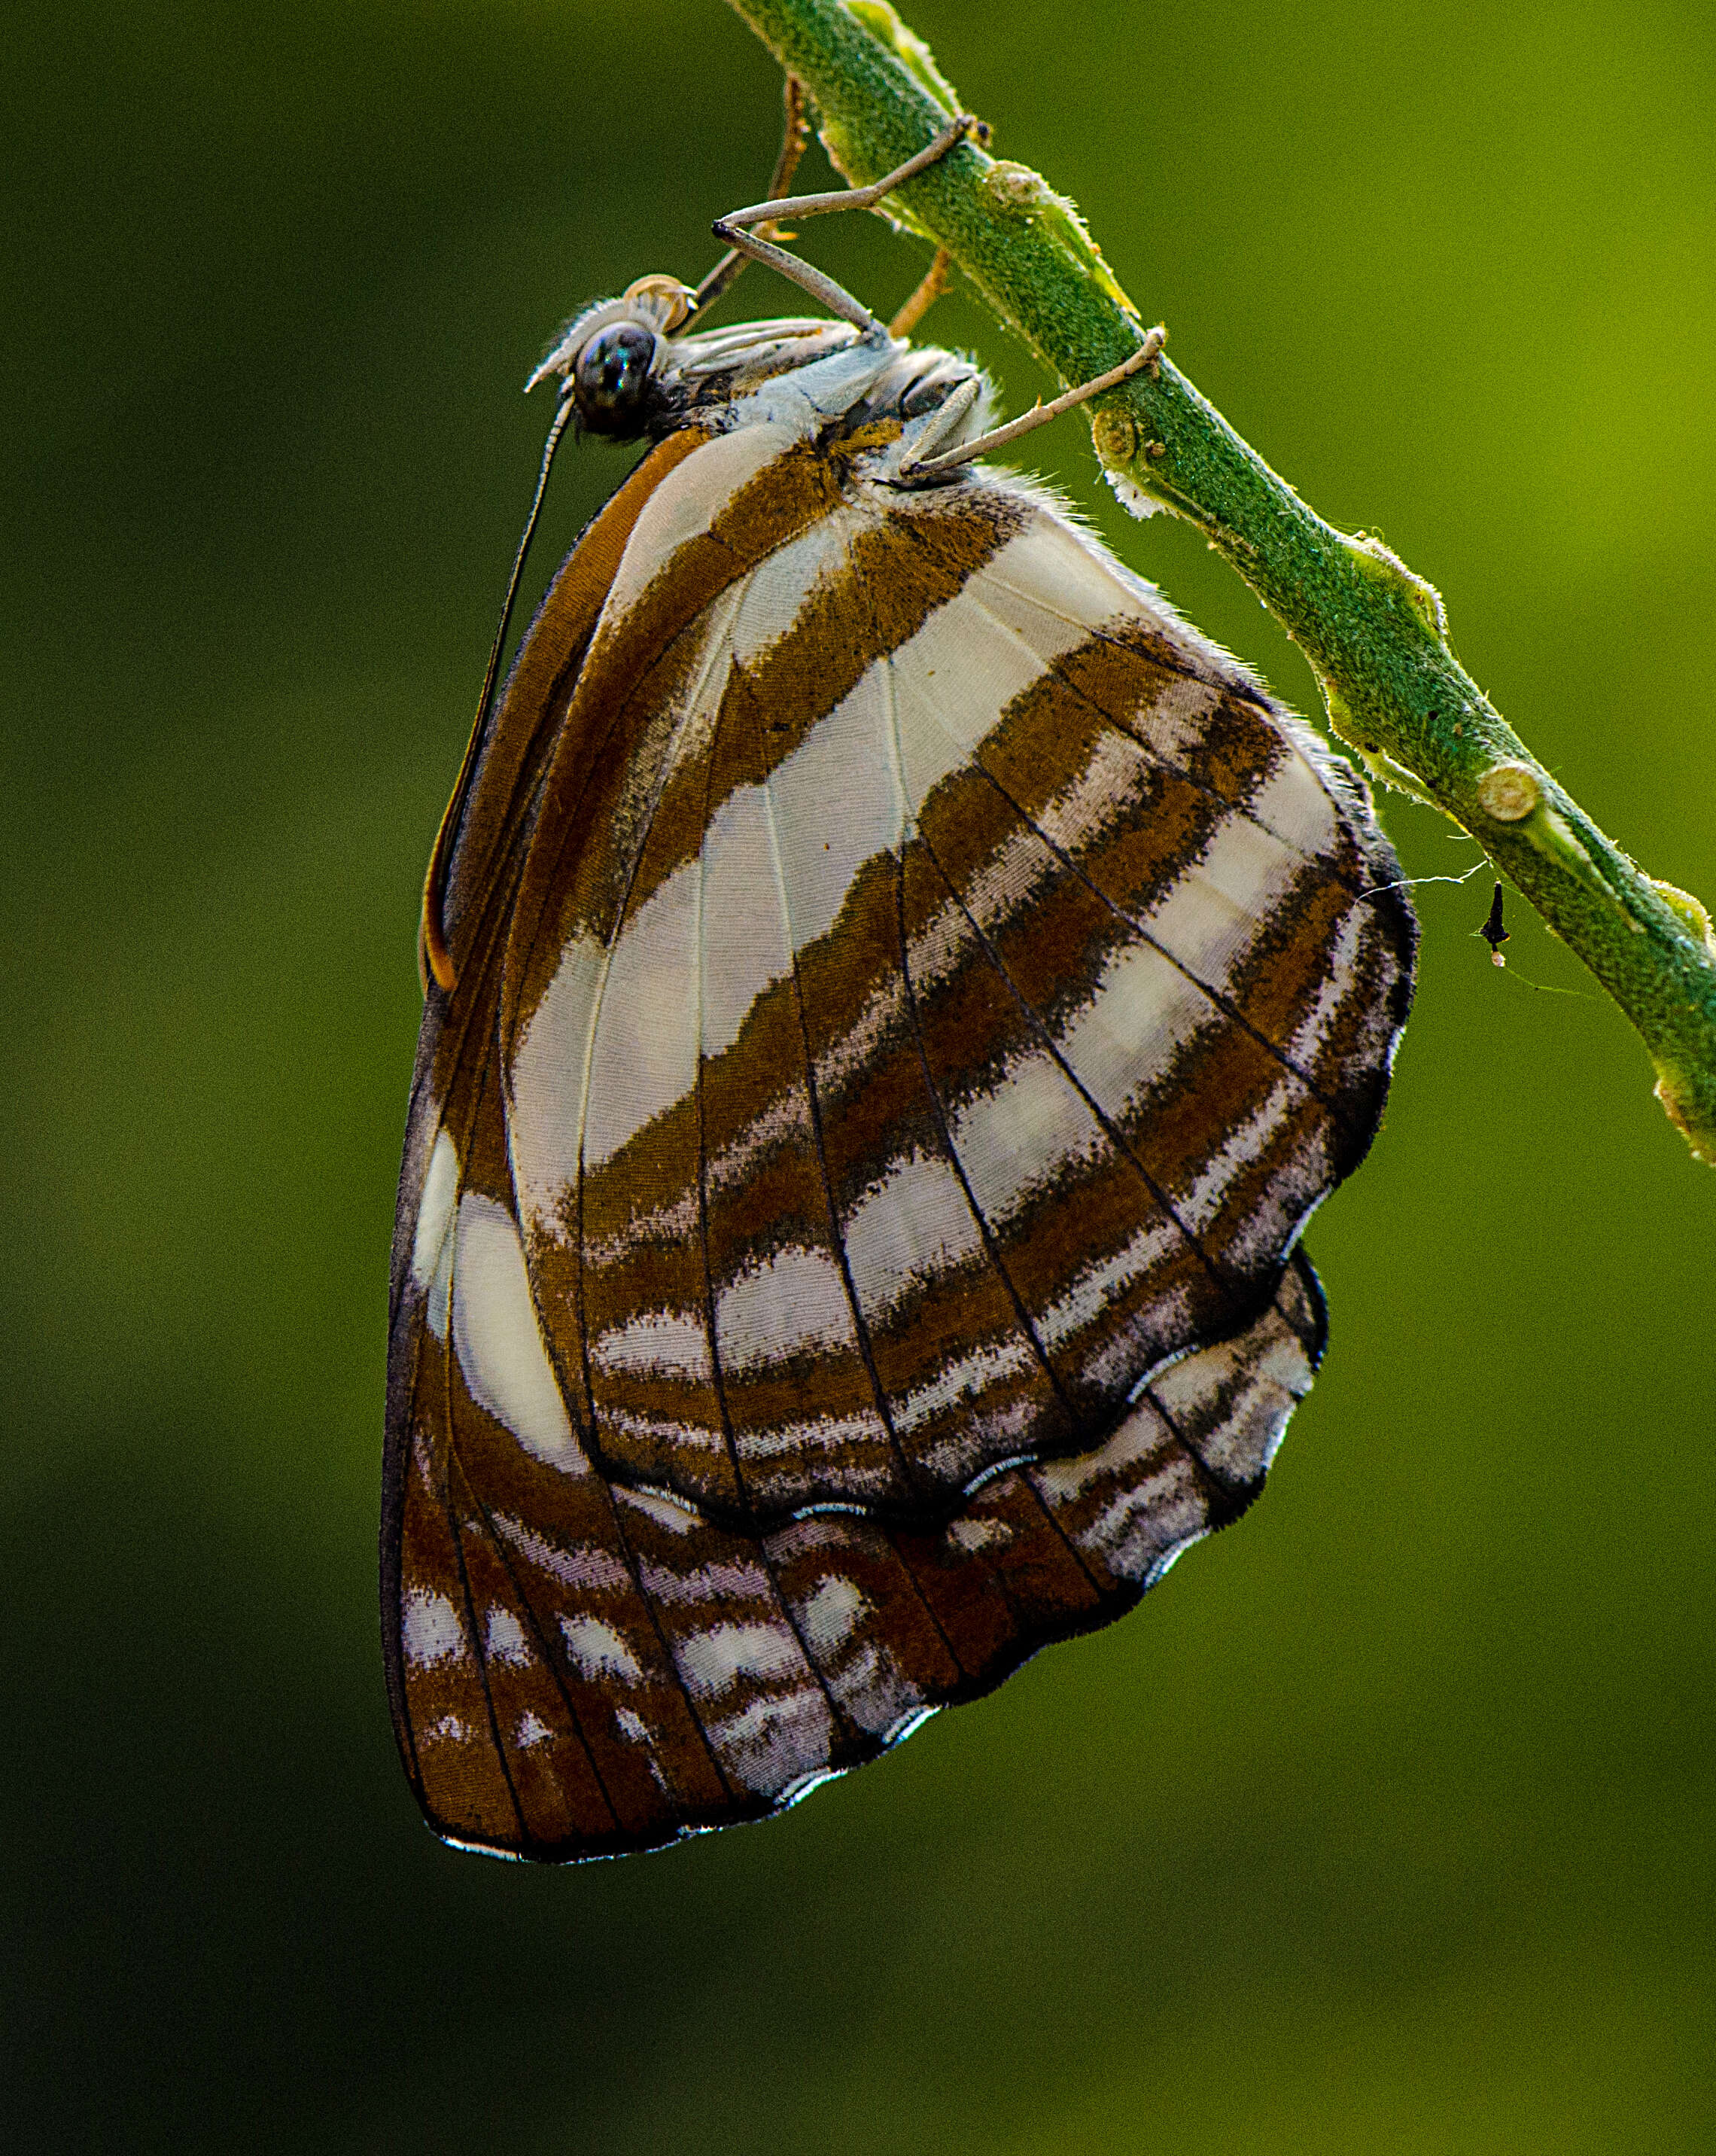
column 1386, row 1824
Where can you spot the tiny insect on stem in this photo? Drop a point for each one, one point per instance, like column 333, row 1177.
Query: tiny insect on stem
column 1493, row 932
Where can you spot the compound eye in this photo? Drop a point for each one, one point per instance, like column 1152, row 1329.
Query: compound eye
column 611, row 378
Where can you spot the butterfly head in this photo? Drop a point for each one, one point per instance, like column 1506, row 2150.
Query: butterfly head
column 610, row 356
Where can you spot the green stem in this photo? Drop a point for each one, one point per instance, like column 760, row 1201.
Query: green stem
column 1375, row 633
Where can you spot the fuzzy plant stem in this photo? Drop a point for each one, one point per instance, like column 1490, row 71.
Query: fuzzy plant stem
column 1375, row 633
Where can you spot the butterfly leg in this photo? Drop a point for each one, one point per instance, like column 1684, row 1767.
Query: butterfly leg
column 734, row 227
column 794, row 137
column 922, row 467
column 930, row 287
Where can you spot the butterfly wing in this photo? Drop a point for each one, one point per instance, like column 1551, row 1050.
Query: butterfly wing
column 925, row 993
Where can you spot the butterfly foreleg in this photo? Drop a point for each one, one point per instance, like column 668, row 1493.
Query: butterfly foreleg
column 735, row 228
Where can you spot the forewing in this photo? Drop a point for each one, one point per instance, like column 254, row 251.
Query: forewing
column 949, row 986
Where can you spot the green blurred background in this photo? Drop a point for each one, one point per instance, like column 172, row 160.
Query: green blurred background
column 1387, row 1824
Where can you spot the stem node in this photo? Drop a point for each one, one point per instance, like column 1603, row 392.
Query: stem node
column 1509, row 792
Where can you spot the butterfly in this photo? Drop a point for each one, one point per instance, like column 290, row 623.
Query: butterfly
column 895, row 993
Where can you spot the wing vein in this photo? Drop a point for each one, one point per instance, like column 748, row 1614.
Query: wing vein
column 622, row 1541
column 1148, row 747
column 1111, row 1130
column 476, row 1634
column 1218, row 997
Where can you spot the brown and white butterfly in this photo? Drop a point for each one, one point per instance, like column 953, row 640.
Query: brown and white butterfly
column 899, row 993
